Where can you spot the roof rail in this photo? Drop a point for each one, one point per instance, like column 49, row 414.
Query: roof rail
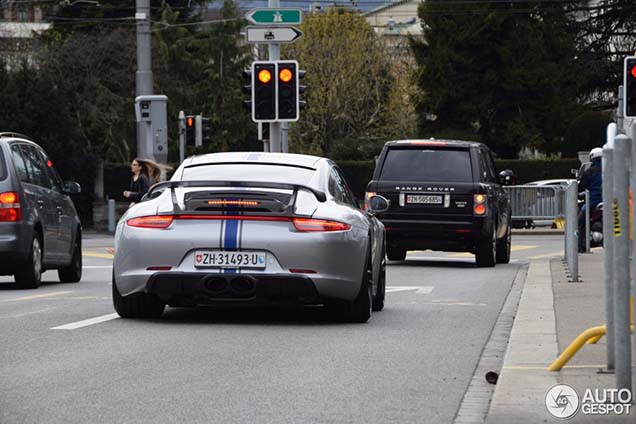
column 14, row 134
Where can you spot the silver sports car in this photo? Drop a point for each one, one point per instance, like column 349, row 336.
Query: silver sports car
column 251, row 228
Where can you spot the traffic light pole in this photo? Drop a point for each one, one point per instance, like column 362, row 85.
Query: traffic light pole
column 182, row 135
column 275, row 128
column 144, row 73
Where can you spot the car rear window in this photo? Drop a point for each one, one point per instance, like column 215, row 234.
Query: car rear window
column 249, row 172
column 3, row 167
column 427, row 164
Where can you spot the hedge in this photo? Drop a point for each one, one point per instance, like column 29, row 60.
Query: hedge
column 359, row 173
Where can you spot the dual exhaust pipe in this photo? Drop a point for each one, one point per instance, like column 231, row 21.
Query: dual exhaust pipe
column 240, row 286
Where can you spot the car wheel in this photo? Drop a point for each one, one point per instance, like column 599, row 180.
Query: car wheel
column 30, row 274
column 360, row 309
column 138, row 305
column 503, row 248
column 396, row 254
column 378, row 300
column 486, row 253
column 73, row 272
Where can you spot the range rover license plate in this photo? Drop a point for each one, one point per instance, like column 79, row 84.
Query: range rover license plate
column 222, row 259
column 424, row 199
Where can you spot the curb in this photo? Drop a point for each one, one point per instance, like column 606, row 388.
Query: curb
column 538, row 232
column 524, row 379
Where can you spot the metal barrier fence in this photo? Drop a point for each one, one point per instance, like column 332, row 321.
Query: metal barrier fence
column 536, row 202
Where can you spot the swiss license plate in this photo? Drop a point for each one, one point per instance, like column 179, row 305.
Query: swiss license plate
column 424, row 199
column 223, row 259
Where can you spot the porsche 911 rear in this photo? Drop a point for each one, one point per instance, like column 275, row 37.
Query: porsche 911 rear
column 224, row 243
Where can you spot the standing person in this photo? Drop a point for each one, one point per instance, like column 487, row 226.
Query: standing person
column 156, row 172
column 591, row 180
column 139, row 181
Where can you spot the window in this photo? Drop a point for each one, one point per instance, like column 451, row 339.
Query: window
column 249, row 172
column 3, row 167
column 487, row 173
column 427, row 165
column 38, row 174
column 19, row 164
column 336, row 188
column 53, row 174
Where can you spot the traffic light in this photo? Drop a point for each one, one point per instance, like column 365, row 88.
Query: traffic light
column 263, row 91
column 247, row 89
column 287, row 89
column 629, row 84
column 190, row 130
column 205, row 129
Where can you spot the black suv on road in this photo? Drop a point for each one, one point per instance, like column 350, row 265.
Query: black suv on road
column 39, row 227
column 444, row 195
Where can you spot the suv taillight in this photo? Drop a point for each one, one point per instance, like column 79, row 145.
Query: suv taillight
column 479, row 205
column 10, row 210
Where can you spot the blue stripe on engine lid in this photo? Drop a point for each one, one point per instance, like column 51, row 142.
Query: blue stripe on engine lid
column 254, row 156
column 231, row 233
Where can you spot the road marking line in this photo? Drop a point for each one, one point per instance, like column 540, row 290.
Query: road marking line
column 86, row 322
column 418, row 289
column 37, row 296
column 97, row 255
column 547, row 255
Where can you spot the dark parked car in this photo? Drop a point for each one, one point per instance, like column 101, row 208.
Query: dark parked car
column 39, row 227
column 444, row 195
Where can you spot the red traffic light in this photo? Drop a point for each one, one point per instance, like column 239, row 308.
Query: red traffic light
column 632, row 71
column 190, row 121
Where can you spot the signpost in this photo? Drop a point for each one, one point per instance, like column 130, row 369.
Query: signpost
column 274, row 16
column 266, row 34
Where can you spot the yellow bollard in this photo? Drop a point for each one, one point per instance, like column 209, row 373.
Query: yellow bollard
column 594, row 339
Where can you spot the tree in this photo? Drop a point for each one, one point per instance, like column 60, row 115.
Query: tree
column 501, row 72
column 348, row 81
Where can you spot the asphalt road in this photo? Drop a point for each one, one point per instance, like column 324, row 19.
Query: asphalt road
column 410, row 364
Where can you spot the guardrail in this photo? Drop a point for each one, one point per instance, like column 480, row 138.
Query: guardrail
column 529, row 202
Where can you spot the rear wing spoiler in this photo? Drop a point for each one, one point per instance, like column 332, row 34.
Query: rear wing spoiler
column 320, row 196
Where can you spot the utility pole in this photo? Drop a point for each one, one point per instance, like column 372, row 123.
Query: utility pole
column 144, row 72
column 182, row 135
column 275, row 128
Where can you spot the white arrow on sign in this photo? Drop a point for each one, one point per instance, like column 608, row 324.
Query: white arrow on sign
column 260, row 34
column 418, row 289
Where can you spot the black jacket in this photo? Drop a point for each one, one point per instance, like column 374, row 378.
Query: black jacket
column 138, row 188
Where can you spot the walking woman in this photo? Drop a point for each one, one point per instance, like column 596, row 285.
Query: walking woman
column 139, row 182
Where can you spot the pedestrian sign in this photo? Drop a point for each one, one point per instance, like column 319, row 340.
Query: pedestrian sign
column 274, row 16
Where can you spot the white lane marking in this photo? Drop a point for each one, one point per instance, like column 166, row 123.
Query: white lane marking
column 418, row 289
column 97, row 266
column 86, row 322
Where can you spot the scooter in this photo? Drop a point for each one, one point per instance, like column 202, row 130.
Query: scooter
column 596, row 226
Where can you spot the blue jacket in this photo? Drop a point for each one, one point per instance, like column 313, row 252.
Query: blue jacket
column 592, row 180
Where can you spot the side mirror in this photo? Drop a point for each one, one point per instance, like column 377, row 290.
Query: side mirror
column 377, row 204
column 71, row 187
column 507, row 177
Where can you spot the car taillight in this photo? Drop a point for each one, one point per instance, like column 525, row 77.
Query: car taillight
column 310, row 224
column 10, row 210
column 155, row 221
column 368, row 195
column 479, row 204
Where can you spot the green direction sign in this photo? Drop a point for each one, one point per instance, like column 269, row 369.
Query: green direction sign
column 274, row 16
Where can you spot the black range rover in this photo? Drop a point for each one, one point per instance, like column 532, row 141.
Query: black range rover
column 444, row 195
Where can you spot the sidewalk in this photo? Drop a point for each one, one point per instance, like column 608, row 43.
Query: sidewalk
column 551, row 314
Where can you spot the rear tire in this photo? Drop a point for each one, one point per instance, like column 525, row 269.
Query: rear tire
column 137, row 306
column 486, row 252
column 378, row 300
column 503, row 247
column 29, row 275
column 396, row 253
column 360, row 309
column 73, row 272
